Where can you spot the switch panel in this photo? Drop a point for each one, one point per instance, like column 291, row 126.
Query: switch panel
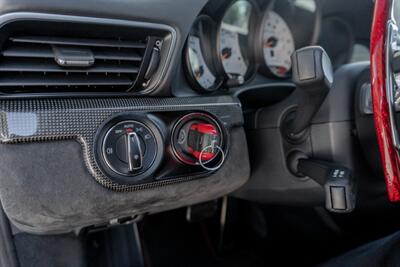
column 197, row 136
column 130, row 148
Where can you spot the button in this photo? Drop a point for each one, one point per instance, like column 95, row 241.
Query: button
column 338, row 197
column 307, row 70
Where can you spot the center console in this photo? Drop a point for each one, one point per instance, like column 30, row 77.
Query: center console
column 73, row 163
column 90, row 132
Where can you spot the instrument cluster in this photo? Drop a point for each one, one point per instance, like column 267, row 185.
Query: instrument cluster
column 229, row 44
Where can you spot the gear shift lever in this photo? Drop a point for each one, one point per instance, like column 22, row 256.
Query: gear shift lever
column 312, row 73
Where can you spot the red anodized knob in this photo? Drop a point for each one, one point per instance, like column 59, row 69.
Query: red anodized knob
column 202, row 139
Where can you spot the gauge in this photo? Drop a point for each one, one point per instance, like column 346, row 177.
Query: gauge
column 198, row 66
column 286, row 25
column 278, row 44
column 200, row 63
column 234, row 42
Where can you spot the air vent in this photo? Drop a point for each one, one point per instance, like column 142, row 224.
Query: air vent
column 49, row 55
column 70, row 64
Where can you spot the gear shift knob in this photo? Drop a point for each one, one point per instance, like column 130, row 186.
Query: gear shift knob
column 313, row 75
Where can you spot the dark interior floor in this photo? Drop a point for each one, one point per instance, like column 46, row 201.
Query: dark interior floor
column 255, row 235
column 260, row 235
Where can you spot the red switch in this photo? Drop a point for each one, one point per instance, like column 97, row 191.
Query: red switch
column 202, row 137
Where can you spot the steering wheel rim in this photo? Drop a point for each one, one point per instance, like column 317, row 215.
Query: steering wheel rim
column 381, row 99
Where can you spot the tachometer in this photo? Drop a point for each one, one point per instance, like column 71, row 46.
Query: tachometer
column 278, row 44
column 235, row 42
column 286, row 25
column 199, row 60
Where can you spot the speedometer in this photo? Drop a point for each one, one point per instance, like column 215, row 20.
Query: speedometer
column 235, row 42
column 278, row 44
column 199, row 60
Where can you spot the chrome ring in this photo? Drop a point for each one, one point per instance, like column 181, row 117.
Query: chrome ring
column 216, row 167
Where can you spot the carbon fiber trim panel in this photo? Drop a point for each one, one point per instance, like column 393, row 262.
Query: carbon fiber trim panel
column 40, row 120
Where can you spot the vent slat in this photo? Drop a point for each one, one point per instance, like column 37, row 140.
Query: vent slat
column 39, row 66
column 115, row 55
column 77, row 41
column 18, row 80
column 47, row 52
column 24, row 51
column 31, row 63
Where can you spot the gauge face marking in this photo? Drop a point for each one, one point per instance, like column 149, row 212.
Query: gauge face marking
column 234, row 39
column 231, row 56
column 278, row 44
column 198, row 66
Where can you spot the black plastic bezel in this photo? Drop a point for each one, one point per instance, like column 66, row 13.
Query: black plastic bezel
column 208, row 56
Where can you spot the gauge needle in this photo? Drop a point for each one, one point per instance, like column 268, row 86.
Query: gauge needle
column 226, row 52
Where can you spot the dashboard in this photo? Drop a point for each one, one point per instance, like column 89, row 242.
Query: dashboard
column 231, row 42
column 126, row 109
